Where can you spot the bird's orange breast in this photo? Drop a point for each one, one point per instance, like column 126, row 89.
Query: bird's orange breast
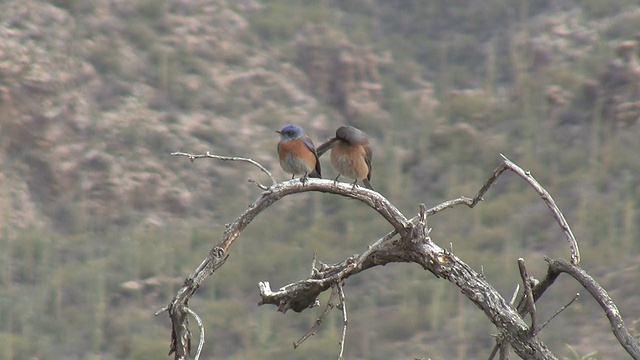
column 295, row 157
column 349, row 160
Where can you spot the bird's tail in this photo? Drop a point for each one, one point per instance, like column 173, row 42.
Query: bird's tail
column 315, row 174
column 368, row 184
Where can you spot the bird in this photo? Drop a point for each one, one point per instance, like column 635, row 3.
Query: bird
column 297, row 153
column 351, row 154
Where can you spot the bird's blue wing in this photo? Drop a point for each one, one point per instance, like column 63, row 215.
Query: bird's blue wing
column 309, row 144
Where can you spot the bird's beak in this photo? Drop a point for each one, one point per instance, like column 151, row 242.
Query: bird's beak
column 279, row 132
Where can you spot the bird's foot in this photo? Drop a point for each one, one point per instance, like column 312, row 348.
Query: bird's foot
column 335, row 181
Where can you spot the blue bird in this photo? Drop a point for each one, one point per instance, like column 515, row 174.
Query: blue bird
column 297, row 153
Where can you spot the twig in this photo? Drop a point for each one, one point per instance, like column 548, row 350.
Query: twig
column 343, row 307
column 201, row 327
column 449, row 204
column 314, row 271
column 512, row 302
column 559, row 311
column 316, row 324
column 492, row 179
column 497, row 347
column 546, row 197
column 163, row 309
column 193, row 157
column 531, row 304
column 420, row 231
column 504, row 351
column 263, row 187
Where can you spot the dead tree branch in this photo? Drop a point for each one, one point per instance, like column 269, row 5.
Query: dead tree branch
column 431, row 257
column 345, row 321
column 412, row 244
column 201, row 327
column 630, row 344
column 527, row 177
column 558, row 266
column 528, row 294
column 546, row 197
column 319, row 319
column 563, row 308
column 193, row 158
column 181, row 335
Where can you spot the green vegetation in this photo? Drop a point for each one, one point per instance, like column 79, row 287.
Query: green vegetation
column 279, row 21
column 90, row 290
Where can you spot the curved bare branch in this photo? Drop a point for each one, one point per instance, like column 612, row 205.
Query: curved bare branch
column 630, row 344
column 412, row 245
column 193, row 157
column 181, row 335
column 546, row 197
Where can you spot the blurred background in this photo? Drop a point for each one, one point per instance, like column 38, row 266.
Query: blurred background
column 99, row 225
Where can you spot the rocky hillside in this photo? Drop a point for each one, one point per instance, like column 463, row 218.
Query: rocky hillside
column 95, row 95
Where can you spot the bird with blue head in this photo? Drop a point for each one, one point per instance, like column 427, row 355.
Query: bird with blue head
column 297, row 153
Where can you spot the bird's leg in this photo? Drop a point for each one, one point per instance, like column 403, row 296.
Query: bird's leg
column 303, row 179
column 293, row 176
column 335, row 181
column 354, row 185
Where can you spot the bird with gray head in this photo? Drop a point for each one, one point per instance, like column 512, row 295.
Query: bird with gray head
column 351, row 154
